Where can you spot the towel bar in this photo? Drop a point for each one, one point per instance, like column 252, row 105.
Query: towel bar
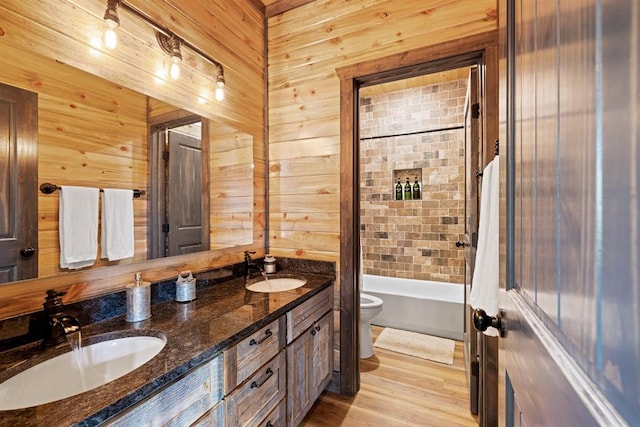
column 48, row 188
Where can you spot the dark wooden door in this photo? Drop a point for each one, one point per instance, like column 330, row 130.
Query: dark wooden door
column 184, row 196
column 571, row 354
column 18, row 184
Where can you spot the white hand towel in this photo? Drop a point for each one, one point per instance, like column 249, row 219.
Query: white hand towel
column 485, row 282
column 117, row 241
column 78, row 226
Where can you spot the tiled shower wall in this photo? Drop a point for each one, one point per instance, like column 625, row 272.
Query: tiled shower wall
column 414, row 238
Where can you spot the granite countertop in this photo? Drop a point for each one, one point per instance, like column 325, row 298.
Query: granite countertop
column 222, row 314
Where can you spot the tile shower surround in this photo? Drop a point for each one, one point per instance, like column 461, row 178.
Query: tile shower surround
column 415, row 238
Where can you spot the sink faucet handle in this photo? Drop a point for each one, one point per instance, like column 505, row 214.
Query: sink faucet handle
column 53, row 301
column 247, row 255
column 53, row 294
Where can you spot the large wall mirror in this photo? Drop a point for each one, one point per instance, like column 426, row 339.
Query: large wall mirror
column 196, row 172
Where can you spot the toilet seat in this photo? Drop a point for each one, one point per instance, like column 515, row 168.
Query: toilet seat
column 369, row 301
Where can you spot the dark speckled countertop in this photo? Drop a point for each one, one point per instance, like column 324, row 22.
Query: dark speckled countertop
column 221, row 315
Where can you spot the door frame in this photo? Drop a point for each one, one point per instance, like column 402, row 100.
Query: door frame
column 476, row 49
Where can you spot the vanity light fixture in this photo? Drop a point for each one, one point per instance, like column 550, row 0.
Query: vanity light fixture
column 169, row 42
column 112, row 20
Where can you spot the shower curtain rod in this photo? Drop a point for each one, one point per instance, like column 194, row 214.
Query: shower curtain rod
column 420, row 132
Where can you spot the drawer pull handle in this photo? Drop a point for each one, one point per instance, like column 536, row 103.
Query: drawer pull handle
column 267, row 334
column 269, row 424
column 315, row 330
column 258, row 384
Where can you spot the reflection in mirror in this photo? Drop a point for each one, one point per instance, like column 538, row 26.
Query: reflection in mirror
column 95, row 133
column 176, row 163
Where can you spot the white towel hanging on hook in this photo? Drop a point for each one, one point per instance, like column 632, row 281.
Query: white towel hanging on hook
column 485, row 281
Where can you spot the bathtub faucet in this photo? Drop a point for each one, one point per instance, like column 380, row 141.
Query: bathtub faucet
column 249, row 264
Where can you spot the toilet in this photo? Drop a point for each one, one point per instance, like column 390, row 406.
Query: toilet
column 370, row 307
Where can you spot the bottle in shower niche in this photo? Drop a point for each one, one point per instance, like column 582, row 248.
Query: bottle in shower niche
column 398, row 190
column 416, row 190
column 407, row 190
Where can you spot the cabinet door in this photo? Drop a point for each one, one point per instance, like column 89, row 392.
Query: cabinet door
column 310, row 367
column 299, row 373
column 322, row 363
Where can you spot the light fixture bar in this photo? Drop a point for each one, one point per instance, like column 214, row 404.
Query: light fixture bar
column 170, row 34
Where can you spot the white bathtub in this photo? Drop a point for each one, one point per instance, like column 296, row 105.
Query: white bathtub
column 434, row 308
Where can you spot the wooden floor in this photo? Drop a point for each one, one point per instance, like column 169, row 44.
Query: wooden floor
column 400, row 390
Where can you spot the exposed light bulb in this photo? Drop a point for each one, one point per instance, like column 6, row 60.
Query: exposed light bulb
column 220, row 86
column 110, row 36
column 112, row 19
column 174, row 69
column 176, row 58
column 219, row 92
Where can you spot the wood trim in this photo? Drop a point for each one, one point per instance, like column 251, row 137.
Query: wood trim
column 156, row 191
column 260, row 7
column 205, row 181
column 461, row 52
column 265, row 136
column 282, row 6
column 349, row 298
column 447, row 50
column 490, row 99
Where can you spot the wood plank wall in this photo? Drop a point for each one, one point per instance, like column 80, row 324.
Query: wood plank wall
column 91, row 132
column 231, row 33
column 305, row 46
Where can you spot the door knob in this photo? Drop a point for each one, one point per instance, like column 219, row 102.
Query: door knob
column 460, row 244
column 27, row 252
column 482, row 321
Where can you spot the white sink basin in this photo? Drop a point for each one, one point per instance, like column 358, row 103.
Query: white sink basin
column 61, row 376
column 276, row 284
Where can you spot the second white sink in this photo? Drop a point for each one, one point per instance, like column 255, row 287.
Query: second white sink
column 276, row 284
column 61, row 377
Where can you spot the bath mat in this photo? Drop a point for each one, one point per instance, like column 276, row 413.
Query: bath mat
column 415, row 344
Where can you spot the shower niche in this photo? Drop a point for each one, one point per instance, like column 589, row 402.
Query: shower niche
column 407, row 184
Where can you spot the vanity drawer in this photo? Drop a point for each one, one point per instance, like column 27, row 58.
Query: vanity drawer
column 258, row 395
column 179, row 404
column 303, row 316
column 277, row 417
column 244, row 358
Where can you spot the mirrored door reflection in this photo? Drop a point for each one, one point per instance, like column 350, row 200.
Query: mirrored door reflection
column 180, row 208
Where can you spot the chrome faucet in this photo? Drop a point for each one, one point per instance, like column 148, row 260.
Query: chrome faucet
column 249, row 264
column 59, row 323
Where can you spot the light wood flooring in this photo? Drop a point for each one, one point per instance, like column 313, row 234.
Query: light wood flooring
column 400, row 390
